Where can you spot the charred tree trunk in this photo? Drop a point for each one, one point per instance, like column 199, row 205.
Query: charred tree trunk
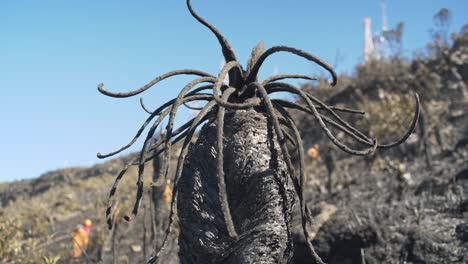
column 160, row 212
column 160, row 209
column 424, row 137
column 260, row 199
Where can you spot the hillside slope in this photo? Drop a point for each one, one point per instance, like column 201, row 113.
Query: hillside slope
column 404, row 205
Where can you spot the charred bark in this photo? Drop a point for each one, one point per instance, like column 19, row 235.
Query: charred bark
column 160, row 209
column 260, row 199
column 160, row 212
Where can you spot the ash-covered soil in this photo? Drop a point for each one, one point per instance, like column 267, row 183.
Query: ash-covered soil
column 393, row 209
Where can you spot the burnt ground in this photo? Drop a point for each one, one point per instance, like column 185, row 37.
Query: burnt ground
column 389, row 209
column 392, row 209
column 381, row 219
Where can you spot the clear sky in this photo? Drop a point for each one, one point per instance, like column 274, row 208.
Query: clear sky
column 54, row 53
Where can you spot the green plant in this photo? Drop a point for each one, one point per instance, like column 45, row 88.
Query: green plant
column 15, row 244
column 51, row 260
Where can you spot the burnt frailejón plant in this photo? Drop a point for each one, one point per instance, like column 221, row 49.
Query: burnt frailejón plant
column 236, row 187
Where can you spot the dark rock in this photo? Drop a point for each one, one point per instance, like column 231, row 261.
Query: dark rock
column 463, row 207
column 462, row 174
column 462, row 232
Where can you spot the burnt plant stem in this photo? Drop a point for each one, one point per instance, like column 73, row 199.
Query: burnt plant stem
column 244, row 229
column 183, row 153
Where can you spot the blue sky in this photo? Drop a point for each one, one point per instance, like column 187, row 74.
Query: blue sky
column 54, row 53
